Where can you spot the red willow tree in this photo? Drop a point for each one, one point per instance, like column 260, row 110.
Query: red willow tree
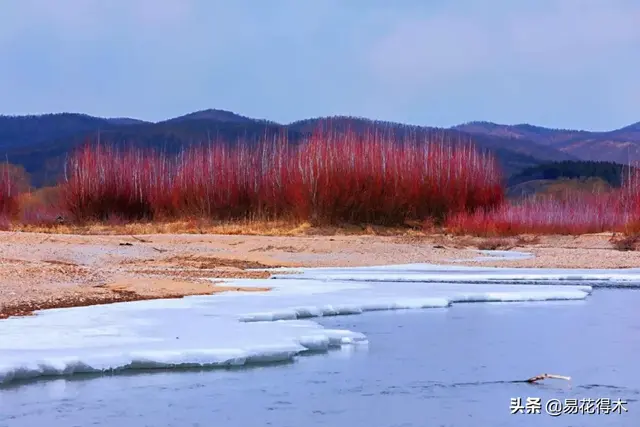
column 330, row 177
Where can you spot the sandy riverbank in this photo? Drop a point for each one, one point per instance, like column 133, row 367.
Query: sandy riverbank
column 39, row 271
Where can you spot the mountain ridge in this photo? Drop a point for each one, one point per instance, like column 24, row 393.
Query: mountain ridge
column 620, row 145
column 41, row 143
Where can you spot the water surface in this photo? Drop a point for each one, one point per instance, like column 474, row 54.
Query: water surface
column 433, row 367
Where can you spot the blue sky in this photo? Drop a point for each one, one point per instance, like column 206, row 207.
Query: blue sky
column 557, row 63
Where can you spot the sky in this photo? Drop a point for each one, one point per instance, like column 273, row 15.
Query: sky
column 557, row 63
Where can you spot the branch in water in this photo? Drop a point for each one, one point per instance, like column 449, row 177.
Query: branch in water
column 545, row 376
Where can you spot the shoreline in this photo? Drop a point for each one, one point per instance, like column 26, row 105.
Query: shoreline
column 44, row 270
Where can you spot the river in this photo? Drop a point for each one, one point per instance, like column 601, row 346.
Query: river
column 434, row 367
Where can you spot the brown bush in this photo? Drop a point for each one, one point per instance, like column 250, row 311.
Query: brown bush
column 494, row 245
column 527, row 240
column 627, row 243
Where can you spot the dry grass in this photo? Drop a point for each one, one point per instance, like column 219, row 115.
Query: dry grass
column 174, row 227
column 265, row 228
column 247, row 227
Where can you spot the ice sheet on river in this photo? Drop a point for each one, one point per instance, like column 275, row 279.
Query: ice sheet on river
column 627, row 277
column 235, row 328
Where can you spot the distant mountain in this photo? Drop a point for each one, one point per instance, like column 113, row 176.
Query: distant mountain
column 220, row 116
column 631, row 128
column 125, row 121
column 30, row 131
column 540, row 135
column 42, row 147
column 41, row 143
column 620, row 146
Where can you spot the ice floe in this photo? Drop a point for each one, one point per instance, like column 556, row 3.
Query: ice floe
column 239, row 328
column 428, row 273
column 497, row 255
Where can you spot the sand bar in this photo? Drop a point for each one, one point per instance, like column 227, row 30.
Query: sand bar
column 39, row 270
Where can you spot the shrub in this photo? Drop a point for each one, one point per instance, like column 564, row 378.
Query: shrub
column 105, row 182
column 627, row 243
column 494, row 244
column 329, row 178
column 572, row 213
column 8, row 195
column 42, row 208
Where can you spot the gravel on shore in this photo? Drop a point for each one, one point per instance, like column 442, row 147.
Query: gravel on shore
column 40, row 271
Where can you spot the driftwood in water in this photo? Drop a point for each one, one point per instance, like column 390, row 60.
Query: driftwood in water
column 545, row 376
